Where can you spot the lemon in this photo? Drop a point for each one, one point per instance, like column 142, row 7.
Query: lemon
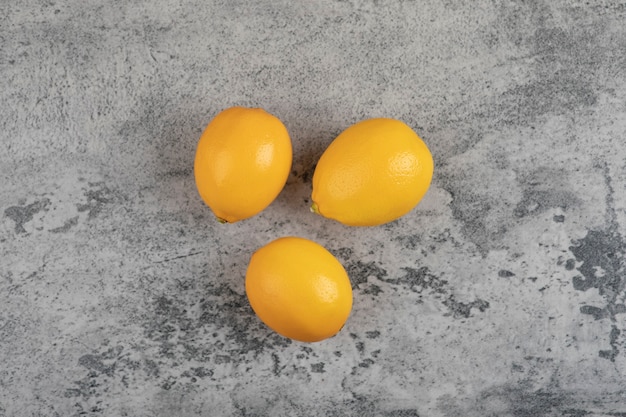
column 299, row 289
column 242, row 162
column 374, row 172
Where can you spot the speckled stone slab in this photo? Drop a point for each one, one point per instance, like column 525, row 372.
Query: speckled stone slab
column 501, row 294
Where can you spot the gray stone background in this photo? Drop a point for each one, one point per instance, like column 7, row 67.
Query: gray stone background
column 501, row 294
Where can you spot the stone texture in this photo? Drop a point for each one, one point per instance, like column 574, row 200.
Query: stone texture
column 502, row 294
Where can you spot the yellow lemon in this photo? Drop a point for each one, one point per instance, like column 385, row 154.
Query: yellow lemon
column 299, row 289
column 242, row 162
column 374, row 172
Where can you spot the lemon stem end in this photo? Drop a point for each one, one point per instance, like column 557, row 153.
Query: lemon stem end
column 314, row 208
column 222, row 221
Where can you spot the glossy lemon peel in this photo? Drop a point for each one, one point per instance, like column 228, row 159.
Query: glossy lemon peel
column 242, row 162
column 374, row 172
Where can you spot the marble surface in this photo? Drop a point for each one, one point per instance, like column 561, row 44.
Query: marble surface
column 501, row 294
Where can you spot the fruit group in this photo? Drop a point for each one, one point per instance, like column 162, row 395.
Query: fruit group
column 374, row 172
column 242, row 162
column 299, row 289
